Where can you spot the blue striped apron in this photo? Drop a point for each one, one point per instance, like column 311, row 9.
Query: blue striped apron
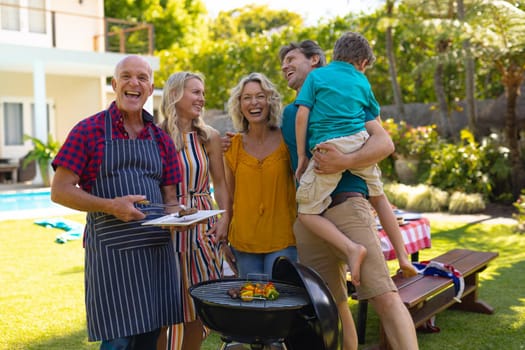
column 132, row 278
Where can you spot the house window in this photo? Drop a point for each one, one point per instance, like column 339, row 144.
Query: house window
column 17, row 118
column 13, row 124
column 23, row 15
column 10, row 15
column 37, row 16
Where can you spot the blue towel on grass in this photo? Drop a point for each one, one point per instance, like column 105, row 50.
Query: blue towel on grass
column 73, row 229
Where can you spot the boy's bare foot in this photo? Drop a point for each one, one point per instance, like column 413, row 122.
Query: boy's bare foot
column 408, row 270
column 357, row 256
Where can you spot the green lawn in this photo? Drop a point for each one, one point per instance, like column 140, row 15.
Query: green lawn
column 42, row 296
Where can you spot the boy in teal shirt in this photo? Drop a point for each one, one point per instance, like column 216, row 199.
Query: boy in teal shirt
column 332, row 104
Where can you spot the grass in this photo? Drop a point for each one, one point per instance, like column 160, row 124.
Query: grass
column 502, row 286
column 42, row 293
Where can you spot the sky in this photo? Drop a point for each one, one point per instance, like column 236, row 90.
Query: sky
column 311, row 10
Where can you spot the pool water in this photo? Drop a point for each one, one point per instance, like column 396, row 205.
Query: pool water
column 27, row 204
column 29, row 200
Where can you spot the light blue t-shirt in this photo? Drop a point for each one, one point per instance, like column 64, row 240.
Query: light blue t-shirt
column 349, row 182
column 337, row 96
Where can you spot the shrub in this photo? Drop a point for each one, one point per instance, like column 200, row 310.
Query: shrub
column 420, row 198
column 496, row 164
column 411, row 142
column 43, row 153
column 463, row 203
column 388, row 172
column 427, row 199
column 397, row 194
column 469, row 167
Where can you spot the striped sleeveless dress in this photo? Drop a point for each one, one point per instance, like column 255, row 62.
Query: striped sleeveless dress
column 199, row 256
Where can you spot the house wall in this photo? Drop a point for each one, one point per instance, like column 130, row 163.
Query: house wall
column 73, row 98
column 61, row 66
column 18, row 90
column 17, row 85
column 79, row 24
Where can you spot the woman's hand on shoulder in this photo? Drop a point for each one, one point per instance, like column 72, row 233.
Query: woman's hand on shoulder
column 226, row 140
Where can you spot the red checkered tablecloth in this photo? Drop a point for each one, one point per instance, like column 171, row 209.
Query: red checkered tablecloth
column 416, row 234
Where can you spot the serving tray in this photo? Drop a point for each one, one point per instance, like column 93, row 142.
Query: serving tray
column 187, row 220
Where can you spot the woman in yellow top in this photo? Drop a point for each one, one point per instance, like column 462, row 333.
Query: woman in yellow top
column 260, row 179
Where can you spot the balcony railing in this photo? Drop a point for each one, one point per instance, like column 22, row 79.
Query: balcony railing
column 73, row 31
column 127, row 37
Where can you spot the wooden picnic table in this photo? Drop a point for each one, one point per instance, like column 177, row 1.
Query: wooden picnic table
column 416, row 236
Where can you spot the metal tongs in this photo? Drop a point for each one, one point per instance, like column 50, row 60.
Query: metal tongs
column 165, row 205
column 161, row 205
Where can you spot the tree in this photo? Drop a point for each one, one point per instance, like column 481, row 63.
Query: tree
column 499, row 40
column 174, row 21
column 410, row 47
column 439, row 24
column 229, row 60
column 470, row 98
column 396, row 90
column 252, row 20
column 442, row 47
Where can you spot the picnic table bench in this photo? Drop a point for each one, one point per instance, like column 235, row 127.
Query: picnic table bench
column 425, row 295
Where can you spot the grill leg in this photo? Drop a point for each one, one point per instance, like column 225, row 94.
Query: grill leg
column 240, row 346
column 362, row 313
column 275, row 346
column 232, row 346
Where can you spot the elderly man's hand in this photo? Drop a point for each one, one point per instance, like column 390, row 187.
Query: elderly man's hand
column 123, row 208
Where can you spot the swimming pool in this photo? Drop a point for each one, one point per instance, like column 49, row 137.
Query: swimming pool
column 29, row 203
column 26, row 200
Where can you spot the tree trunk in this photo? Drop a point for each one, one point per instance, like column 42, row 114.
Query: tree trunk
column 439, row 89
column 396, row 90
column 470, row 89
column 442, row 101
column 469, row 76
column 512, row 81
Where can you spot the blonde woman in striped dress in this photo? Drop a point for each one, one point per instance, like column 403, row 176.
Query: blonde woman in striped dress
column 200, row 157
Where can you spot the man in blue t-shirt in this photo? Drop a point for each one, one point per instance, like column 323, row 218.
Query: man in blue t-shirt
column 349, row 211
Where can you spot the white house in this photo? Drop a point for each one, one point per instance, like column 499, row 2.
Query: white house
column 55, row 60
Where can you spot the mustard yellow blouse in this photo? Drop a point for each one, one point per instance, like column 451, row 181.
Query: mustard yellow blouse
column 264, row 207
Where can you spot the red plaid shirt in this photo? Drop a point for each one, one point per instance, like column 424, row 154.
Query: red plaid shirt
column 83, row 150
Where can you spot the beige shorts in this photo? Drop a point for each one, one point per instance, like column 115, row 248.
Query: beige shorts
column 353, row 217
column 313, row 193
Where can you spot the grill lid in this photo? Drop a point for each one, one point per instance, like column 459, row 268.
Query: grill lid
column 320, row 296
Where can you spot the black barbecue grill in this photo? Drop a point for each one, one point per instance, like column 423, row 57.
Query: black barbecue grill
column 304, row 316
column 216, row 292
